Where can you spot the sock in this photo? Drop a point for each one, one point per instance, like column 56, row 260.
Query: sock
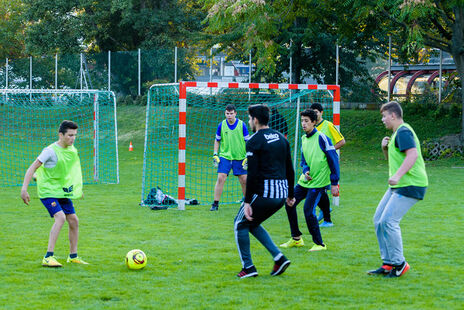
column 48, row 254
column 73, row 255
column 216, row 202
column 295, row 238
column 278, row 257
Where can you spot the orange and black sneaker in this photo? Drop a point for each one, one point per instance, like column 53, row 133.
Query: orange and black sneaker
column 398, row 271
column 248, row 272
column 382, row 271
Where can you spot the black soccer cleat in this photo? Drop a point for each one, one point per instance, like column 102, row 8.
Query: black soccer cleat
column 248, row 272
column 280, row 266
column 398, row 271
column 214, row 207
column 381, row 271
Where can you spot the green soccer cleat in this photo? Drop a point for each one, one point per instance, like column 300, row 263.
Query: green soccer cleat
column 318, row 247
column 293, row 243
column 50, row 262
column 76, row 260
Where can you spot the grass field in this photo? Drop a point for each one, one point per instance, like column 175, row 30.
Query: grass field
column 192, row 256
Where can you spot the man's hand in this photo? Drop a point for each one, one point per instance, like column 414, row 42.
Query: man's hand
column 393, row 180
column 25, row 196
column 216, row 160
column 385, row 142
column 290, row 202
column 248, row 211
column 307, row 176
column 334, row 190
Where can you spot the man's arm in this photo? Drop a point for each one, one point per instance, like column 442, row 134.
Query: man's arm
column 337, row 138
column 332, row 158
column 246, row 135
column 408, row 162
column 339, row 144
column 290, row 173
column 27, row 179
column 252, row 172
column 216, row 146
column 385, row 142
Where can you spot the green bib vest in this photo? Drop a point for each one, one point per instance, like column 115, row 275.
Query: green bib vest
column 65, row 179
column 317, row 162
column 416, row 176
column 232, row 145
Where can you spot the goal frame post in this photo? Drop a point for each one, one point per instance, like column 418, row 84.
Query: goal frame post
column 4, row 92
column 182, row 139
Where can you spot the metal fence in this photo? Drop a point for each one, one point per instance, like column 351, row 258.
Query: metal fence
column 125, row 72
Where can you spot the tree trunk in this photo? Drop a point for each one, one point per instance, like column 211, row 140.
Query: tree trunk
column 457, row 50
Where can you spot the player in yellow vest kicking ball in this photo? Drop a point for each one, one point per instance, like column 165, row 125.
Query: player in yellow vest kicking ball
column 229, row 152
column 319, row 161
column 407, row 185
column 59, row 179
column 329, row 129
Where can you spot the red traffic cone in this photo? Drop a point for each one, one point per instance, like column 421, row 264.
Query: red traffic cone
column 130, row 147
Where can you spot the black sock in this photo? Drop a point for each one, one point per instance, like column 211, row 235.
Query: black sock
column 48, row 254
column 216, row 203
column 74, row 255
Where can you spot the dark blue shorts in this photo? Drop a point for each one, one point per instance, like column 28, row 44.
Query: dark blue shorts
column 236, row 165
column 55, row 205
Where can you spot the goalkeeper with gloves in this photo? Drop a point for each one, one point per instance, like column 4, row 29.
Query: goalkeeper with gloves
column 229, row 152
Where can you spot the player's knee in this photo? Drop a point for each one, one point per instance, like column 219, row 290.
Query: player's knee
column 382, row 223
column 59, row 217
column 73, row 220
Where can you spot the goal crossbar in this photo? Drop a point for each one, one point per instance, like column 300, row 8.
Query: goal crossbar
column 183, row 116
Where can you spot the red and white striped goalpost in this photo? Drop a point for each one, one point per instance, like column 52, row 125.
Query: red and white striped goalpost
column 183, row 116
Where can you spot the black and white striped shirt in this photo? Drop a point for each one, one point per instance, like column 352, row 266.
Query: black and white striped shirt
column 270, row 168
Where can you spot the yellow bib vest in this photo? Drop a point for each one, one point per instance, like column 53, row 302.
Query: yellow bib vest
column 317, row 162
column 232, row 145
column 416, row 176
column 65, row 179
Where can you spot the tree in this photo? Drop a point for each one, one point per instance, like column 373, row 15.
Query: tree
column 280, row 29
column 71, row 26
column 12, row 29
column 123, row 26
column 413, row 24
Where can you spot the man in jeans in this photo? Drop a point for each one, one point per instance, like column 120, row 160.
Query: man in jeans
column 407, row 185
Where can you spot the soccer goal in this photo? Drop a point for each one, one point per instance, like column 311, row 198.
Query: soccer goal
column 181, row 123
column 29, row 121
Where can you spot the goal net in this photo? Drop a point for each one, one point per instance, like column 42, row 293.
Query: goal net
column 29, row 121
column 181, row 123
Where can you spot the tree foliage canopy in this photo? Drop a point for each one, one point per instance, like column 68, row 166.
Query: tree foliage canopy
column 70, row 26
column 11, row 29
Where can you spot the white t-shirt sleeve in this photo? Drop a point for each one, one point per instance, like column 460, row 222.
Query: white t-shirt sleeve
column 48, row 157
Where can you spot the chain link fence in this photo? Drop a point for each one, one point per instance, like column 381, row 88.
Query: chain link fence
column 127, row 73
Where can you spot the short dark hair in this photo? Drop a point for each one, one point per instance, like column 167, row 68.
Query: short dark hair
column 261, row 112
column 317, row 106
column 392, row 107
column 230, row 107
column 309, row 113
column 65, row 125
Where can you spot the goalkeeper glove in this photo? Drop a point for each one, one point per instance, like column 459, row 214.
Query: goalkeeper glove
column 216, row 160
column 245, row 163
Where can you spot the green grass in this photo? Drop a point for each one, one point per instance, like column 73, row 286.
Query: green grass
column 192, row 256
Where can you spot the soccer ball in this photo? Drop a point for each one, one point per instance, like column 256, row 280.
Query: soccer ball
column 136, row 259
